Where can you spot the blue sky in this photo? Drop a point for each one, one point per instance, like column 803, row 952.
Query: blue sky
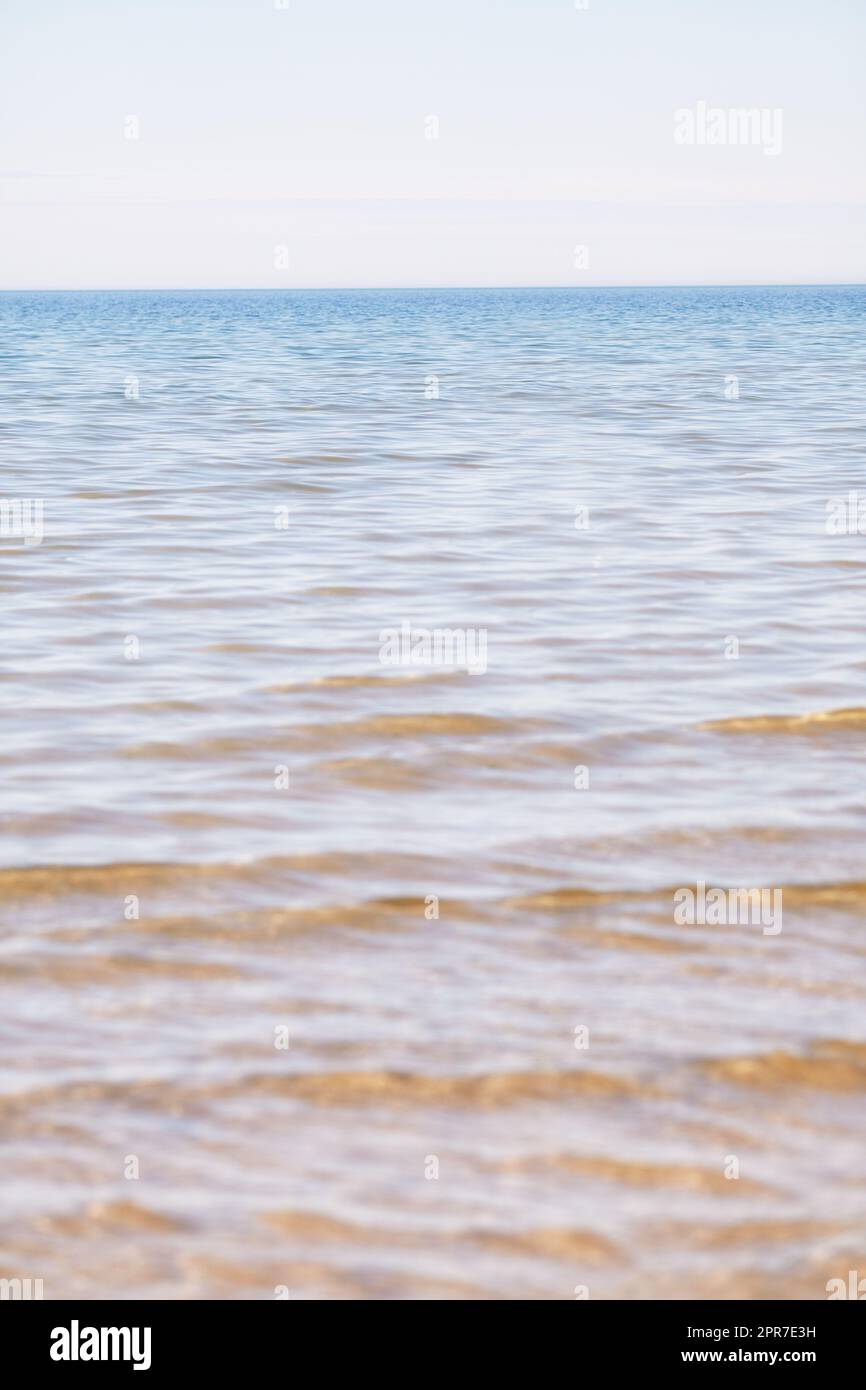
column 288, row 146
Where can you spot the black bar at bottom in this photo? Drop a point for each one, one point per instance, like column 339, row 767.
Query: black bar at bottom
column 156, row 1339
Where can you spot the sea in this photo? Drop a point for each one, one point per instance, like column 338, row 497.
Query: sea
column 431, row 793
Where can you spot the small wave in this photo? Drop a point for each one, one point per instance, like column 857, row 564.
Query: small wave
column 845, row 893
column 310, row 1225
column 216, row 747
column 47, row 881
column 96, row 970
column 761, row 1233
column 245, row 648
column 682, row 1177
column 360, row 681
column 558, row 1243
column 106, row 1218
column 560, row 899
column 489, row 1090
column 626, row 941
column 408, row 725
column 314, row 736
column 336, row 590
column 383, row 773
column 789, row 723
column 555, row 1243
column 51, row 881
column 269, row 923
column 828, row 1066
column 198, row 820
column 413, row 1088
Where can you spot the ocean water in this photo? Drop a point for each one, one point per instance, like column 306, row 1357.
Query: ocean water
column 356, row 977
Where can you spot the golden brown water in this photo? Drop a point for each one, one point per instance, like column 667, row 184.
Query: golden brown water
column 333, row 975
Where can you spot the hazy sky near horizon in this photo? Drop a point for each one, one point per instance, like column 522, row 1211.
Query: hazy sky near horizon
column 291, row 146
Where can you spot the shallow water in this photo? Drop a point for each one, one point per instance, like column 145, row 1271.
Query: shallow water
column 167, row 904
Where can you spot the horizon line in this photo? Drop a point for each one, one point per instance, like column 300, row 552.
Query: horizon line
column 402, row 289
